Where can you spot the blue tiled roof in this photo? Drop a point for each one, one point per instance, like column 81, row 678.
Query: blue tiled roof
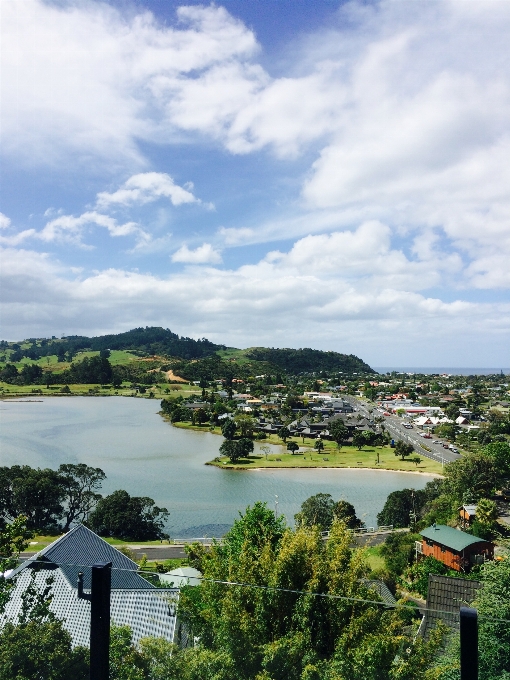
column 81, row 548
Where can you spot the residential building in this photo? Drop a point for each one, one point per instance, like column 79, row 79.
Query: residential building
column 454, row 548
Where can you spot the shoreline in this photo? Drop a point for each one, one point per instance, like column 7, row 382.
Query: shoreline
column 321, row 467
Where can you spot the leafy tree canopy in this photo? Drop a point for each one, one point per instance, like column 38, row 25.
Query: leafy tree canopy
column 120, row 515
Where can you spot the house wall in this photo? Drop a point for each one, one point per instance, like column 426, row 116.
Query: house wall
column 455, row 560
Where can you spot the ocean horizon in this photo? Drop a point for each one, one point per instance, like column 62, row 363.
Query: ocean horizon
column 432, row 370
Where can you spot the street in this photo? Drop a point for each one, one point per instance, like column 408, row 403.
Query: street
column 395, row 427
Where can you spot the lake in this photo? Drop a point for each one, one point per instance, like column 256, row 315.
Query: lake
column 145, row 455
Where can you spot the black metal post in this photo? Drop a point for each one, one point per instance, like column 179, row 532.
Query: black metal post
column 100, row 621
column 468, row 644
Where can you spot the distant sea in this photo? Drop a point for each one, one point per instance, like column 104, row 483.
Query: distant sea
column 428, row 370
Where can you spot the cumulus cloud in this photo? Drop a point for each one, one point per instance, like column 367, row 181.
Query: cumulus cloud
column 5, row 221
column 70, row 229
column 146, row 187
column 204, row 254
column 250, row 305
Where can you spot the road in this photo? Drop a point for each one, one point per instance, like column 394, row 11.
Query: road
column 395, row 427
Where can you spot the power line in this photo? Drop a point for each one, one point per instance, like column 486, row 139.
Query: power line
column 256, row 586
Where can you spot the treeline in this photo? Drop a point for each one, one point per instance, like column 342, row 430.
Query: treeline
column 54, row 500
column 148, row 341
column 308, row 360
column 87, row 371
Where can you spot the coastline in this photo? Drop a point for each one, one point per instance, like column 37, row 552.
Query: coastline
column 244, row 468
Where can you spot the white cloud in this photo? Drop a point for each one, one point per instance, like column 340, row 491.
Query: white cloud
column 204, row 254
column 144, row 188
column 284, row 300
column 5, row 221
column 70, row 229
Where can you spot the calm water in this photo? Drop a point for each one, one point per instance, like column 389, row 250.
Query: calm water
column 145, row 455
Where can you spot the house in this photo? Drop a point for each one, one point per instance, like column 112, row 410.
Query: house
column 454, row 548
column 445, row 596
column 467, row 514
column 148, row 610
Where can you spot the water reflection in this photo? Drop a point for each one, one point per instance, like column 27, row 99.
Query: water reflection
column 143, row 454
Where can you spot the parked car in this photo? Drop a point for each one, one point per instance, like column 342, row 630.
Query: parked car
column 427, row 436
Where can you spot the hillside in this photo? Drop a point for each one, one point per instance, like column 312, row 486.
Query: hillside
column 308, row 360
column 192, row 359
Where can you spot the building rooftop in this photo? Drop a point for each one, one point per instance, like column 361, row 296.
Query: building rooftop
column 445, row 597
column 451, row 538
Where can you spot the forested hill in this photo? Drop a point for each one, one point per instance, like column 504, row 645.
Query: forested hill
column 148, row 341
column 308, row 360
column 192, row 355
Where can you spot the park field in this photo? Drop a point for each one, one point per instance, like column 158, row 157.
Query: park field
column 382, row 458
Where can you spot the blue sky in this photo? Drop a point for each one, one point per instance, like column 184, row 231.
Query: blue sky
column 272, row 172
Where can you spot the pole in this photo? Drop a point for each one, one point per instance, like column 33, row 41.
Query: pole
column 468, row 644
column 100, row 621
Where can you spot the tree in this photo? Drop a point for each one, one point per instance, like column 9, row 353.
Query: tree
column 474, row 473
column 79, row 483
column 403, row 450
column 338, row 432
column 264, row 633
column 245, row 446
column 318, row 445
column 284, row 433
column 231, row 450
column 499, row 453
column 317, row 511
column 346, row 513
column 358, row 440
column 34, row 493
column 120, row 515
column 292, row 447
column 398, row 551
column 228, row 429
column 400, row 506
column 245, row 424
column 14, row 537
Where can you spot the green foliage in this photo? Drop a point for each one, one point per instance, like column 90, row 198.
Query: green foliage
column 45, row 497
column 126, row 662
column 264, row 634
column 474, row 473
column 338, row 432
column 14, row 537
column 358, row 439
column 231, row 449
column 307, row 360
column 418, row 574
column 398, row 551
column 318, row 445
column 499, row 453
column 120, row 515
column 245, row 446
column 316, row 511
column 403, row 449
column 400, row 506
column 292, row 447
column 284, row 433
column 40, row 651
column 345, row 512
column 228, row 428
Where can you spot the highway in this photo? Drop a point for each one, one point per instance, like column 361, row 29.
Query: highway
column 395, row 427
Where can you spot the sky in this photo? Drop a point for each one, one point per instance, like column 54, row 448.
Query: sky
column 284, row 173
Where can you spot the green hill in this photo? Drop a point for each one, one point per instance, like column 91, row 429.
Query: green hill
column 308, row 360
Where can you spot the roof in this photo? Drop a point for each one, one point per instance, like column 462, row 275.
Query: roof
column 183, row 576
column 451, row 538
column 469, row 509
column 446, row 595
column 81, row 548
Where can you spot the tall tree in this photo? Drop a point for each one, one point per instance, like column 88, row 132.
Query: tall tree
column 339, row 433
column 403, row 449
column 80, row 483
column 318, row 511
column 228, row 429
column 284, row 434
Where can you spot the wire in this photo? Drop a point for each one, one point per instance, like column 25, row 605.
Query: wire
column 255, row 586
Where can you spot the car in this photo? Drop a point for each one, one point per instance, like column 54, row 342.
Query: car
column 436, row 441
column 427, row 436
column 446, row 446
column 454, row 450
column 386, row 413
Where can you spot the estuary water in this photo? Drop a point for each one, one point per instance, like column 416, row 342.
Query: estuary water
column 146, row 456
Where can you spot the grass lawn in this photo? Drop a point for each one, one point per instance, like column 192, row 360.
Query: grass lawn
column 374, row 558
column 331, row 456
column 39, row 542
